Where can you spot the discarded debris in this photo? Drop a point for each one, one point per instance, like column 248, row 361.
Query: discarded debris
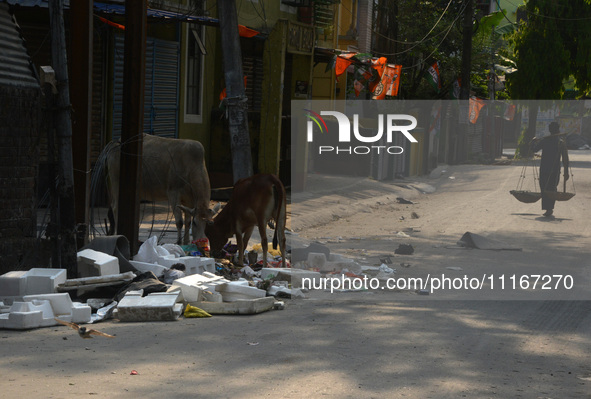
column 194, row 311
column 404, row 249
column 471, row 240
column 83, row 332
column 401, row 200
column 414, row 215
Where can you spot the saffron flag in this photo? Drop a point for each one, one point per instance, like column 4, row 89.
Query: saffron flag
column 243, row 31
column 475, row 105
column 394, row 72
column 509, row 112
column 377, row 86
column 433, row 76
column 342, row 63
column 114, row 24
column 388, row 85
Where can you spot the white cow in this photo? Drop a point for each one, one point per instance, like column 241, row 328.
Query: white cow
column 173, row 170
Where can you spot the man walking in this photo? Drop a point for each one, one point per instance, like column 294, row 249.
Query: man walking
column 553, row 149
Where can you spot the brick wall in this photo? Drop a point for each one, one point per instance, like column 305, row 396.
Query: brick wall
column 20, row 129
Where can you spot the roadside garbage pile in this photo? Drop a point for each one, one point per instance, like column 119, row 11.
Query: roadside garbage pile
column 165, row 282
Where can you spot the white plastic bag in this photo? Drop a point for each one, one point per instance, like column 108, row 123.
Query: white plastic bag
column 150, row 251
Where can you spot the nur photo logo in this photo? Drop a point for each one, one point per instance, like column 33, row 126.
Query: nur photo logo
column 388, row 124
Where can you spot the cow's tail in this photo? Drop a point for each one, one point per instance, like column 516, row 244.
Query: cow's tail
column 279, row 210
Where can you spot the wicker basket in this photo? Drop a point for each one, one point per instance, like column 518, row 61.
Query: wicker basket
column 527, row 197
column 559, row 196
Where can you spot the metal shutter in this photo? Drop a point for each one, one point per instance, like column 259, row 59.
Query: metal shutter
column 161, row 87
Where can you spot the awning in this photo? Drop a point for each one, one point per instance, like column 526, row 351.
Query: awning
column 119, row 9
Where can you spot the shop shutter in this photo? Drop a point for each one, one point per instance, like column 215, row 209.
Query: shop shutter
column 161, row 87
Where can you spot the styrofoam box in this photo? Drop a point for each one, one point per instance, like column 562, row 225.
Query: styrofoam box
column 25, row 315
column 237, row 290
column 44, row 281
column 63, row 307
column 13, row 284
column 193, row 286
column 193, row 264
column 153, row 307
column 95, row 263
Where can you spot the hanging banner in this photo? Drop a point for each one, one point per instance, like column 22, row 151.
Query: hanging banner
column 379, row 65
column 474, row 109
column 433, row 76
column 394, row 72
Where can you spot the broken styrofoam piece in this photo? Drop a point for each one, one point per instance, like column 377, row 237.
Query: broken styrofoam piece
column 338, row 258
column 292, row 275
column 63, row 307
column 292, row 293
column 340, row 265
column 13, row 284
column 94, row 263
column 198, row 287
column 316, row 260
column 158, row 306
column 143, row 267
column 240, row 306
column 193, row 264
column 44, row 281
column 26, row 315
column 236, row 290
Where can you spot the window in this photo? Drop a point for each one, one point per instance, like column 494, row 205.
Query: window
column 194, row 74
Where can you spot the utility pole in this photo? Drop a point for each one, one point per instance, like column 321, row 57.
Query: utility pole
column 132, row 124
column 467, row 26
column 236, row 97
column 81, row 89
column 63, row 128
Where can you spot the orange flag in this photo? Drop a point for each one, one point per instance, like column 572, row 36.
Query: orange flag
column 394, row 72
column 475, row 106
column 243, row 31
column 388, row 84
column 343, row 62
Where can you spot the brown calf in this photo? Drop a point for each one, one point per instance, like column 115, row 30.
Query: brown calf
column 255, row 200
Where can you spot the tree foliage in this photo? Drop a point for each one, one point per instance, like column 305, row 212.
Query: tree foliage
column 553, row 44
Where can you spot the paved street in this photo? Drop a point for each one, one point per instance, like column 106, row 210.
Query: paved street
column 476, row 343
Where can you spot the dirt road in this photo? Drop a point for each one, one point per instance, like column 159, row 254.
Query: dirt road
column 381, row 343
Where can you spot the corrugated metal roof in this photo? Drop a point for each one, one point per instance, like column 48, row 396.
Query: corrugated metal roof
column 119, row 8
column 15, row 63
column 33, row 3
column 155, row 13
